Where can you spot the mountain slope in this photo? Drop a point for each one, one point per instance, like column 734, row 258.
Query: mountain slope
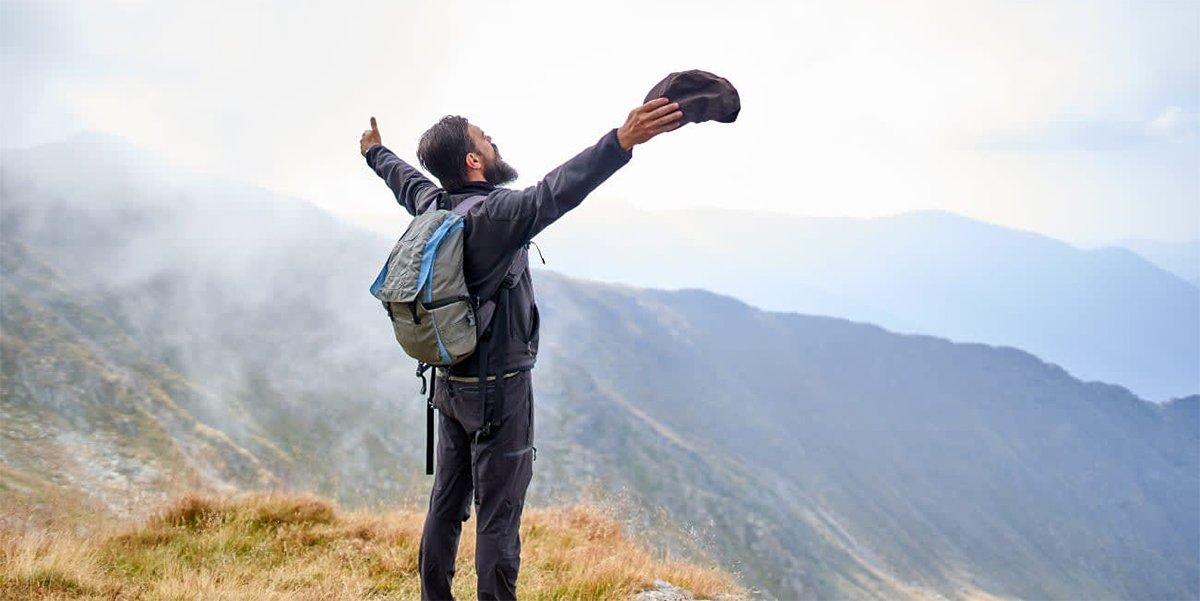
column 1179, row 258
column 1105, row 315
column 825, row 458
column 227, row 298
column 83, row 403
column 945, row 462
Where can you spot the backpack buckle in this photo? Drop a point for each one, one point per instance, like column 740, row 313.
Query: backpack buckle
column 486, row 430
column 421, row 369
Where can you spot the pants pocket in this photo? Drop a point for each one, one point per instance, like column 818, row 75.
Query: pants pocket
column 467, row 403
column 529, row 436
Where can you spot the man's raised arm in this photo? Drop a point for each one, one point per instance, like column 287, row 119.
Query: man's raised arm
column 413, row 190
column 527, row 212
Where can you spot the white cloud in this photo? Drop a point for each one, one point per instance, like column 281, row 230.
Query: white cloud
column 862, row 108
column 1175, row 122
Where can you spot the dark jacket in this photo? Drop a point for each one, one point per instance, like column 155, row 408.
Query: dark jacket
column 498, row 229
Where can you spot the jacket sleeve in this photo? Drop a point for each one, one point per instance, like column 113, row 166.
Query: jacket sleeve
column 413, row 190
column 518, row 215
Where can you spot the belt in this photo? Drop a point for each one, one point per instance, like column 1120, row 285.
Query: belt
column 454, row 378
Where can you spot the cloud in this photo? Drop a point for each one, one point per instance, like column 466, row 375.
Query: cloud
column 1175, row 122
column 37, row 52
column 865, row 105
column 1077, row 133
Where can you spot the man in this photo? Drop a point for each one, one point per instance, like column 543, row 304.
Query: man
column 497, row 464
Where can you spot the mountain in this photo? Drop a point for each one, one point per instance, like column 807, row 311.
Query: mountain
column 181, row 335
column 209, row 310
column 930, row 461
column 1179, row 258
column 1106, row 315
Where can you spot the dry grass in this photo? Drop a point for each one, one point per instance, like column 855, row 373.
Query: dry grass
column 272, row 546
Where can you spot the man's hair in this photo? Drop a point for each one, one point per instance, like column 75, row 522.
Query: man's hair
column 442, row 149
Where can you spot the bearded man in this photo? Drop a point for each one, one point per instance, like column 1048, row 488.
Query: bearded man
column 492, row 456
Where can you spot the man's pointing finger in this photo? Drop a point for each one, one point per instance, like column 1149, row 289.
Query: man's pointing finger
column 373, row 126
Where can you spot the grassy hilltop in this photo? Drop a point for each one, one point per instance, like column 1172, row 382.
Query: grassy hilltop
column 274, row 546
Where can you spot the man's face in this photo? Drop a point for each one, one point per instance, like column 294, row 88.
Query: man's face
column 495, row 170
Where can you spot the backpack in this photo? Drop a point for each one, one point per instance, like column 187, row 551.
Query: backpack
column 435, row 318
column 423, row 290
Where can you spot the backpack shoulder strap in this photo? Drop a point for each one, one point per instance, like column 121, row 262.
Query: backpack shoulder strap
column 464, row 206
column 488, row 303
column 435, row 204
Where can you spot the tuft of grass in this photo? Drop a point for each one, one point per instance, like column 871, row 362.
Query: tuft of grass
column 276, row 547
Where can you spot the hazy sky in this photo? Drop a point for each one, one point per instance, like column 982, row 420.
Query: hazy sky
column 1076, row 119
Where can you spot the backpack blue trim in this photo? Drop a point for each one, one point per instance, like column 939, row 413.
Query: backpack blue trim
column 379, row 280
column 441, row 346
column 425, row 276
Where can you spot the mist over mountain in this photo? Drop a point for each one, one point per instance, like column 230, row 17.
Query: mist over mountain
column 1106, row 315
column 167, row 331
column 234, row 293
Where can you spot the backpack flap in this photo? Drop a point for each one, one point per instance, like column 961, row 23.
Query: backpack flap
column 421, row 286
column 398, row 281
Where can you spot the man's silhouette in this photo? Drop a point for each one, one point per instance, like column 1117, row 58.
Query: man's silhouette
column 496, row 465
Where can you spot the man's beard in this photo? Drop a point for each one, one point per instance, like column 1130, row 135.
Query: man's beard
column 498, row 173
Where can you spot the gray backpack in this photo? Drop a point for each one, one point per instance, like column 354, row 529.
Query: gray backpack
column 434, row 316
column 423, row 290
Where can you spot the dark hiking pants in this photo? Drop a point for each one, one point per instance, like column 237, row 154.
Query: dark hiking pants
column 497, row 468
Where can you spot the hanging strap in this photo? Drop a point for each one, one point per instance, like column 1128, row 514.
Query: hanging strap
column 421, row 369
column 429, row 428
column 493, row 410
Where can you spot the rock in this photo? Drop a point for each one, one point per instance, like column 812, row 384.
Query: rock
column 665, row 591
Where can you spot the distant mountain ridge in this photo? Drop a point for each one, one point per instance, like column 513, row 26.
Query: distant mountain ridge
column 232, row 340
column 1106, row 314
column 1179, row 258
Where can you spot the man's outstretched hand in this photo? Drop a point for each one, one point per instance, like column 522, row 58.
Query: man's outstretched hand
column 646, row 121
column 370, row 138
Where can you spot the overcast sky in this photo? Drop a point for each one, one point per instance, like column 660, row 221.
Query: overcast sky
column 1076, row 119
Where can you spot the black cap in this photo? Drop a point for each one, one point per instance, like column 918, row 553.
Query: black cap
column 701, row 95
